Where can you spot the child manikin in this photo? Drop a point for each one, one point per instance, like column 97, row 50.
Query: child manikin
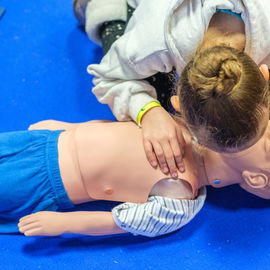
column 51, row 170
column 46, row 171
column 106, row 161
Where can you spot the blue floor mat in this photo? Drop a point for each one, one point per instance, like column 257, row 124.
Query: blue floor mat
column 43, row 60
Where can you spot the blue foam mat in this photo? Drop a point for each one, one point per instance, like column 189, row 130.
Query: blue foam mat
column 43, row 60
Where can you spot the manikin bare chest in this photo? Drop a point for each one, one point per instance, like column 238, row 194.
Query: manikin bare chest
column 113, row 164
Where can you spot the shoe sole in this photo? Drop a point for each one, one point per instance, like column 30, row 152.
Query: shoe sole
column 79, row 12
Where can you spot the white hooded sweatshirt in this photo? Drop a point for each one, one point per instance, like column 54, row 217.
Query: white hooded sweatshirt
column 164, row 34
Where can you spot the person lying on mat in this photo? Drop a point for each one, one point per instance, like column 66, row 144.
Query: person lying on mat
column 47, row 171
column 160, row 37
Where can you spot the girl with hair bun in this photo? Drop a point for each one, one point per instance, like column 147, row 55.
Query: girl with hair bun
column 224, row 97
column 162, row 38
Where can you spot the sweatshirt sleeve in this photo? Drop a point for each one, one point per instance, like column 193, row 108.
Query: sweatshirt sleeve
column 158, row 216
column 119, row 78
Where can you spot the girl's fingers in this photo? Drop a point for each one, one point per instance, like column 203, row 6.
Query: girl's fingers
column 160, row 157
column 170, row 160
column 178, row 160
column 167, row 155
column 149, row 153
column 179, row 153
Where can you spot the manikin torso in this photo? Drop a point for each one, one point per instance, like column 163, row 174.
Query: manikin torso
column 106, row 161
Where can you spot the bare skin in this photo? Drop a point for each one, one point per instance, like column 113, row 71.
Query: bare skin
column 88, row 174
column 49, row 223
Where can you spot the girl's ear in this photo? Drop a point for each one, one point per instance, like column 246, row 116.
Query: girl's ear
column 175, row 103
column 265, row 71
column 255, row 180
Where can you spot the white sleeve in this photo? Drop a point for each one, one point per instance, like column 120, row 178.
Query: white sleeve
column 158, row 216
column 118, row 79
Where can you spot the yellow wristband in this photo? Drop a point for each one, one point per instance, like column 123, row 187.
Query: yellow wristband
column 145, row 109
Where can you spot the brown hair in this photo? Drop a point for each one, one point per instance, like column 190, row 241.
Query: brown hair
column 222, row 93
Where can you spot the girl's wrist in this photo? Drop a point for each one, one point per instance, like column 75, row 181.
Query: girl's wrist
column 145, row 109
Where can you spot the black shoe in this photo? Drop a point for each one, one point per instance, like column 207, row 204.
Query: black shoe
column 79, row 7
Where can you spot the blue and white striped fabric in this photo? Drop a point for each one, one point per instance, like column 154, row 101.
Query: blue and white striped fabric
column 158, row 216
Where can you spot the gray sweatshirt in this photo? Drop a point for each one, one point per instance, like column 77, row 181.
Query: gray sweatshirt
column 164, row 34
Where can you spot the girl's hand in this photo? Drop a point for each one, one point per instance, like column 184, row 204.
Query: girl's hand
column 42, row 223
column 163, row 141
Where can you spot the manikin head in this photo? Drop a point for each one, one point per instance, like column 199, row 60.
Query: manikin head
column 253, row 166
column 249, row 167
column 224, row 99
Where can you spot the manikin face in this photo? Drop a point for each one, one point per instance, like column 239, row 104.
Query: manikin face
column 253, row 164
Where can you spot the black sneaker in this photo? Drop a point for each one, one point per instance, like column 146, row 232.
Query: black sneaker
column 79, row 7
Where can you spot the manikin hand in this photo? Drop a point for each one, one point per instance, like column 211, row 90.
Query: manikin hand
column 80, row 222
column 163, row 141
column 42, row 223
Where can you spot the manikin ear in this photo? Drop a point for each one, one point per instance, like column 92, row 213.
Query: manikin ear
column 255, row 180
column 262, row 193
column 175, row 103
column 265, row 71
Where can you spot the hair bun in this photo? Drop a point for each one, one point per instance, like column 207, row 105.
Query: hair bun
column 228, row 77
column 215, row 74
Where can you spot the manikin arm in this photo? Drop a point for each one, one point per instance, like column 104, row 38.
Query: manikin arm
column 158, row 216
column 82, row 222
column 58, row 125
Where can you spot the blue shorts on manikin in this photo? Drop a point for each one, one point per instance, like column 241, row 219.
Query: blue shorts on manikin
column 30, row 179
